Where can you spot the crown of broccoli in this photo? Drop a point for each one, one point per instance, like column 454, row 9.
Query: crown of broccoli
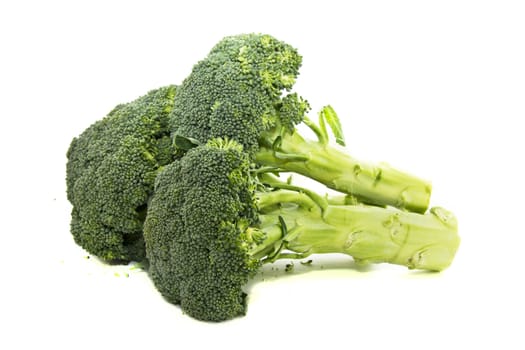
column 111, row 170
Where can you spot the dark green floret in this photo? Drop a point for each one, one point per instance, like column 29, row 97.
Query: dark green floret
column 111, row 170
column 195, row 231
column 236, row 91
column 212, row 222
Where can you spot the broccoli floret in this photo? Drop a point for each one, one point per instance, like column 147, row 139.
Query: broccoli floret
column 213, row 221
column 192, row 231
column 236, row 92
column 111, row 170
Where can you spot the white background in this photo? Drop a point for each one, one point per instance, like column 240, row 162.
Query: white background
column 433, row 87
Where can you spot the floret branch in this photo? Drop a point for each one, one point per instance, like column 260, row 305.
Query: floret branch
column 377, row 184
column 241, row 91
column 211, row 224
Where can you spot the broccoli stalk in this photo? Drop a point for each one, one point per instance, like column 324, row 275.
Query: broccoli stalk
column 236, row 92
column 299, row 223
column 377, row 184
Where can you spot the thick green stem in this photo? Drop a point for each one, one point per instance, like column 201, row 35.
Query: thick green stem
column 369, row 234
column 377, row 184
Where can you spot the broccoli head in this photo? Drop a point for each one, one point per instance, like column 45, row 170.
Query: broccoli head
column 111, row 169
column 195, row 231
column 237, row 92
column 213, row 221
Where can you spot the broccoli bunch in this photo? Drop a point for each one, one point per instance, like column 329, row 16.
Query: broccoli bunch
column 183, row 178
column 212, row 222
column 111, row 170
column 236, row 92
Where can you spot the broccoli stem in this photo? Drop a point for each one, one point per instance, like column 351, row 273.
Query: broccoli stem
column 367, row 233
column 377, row 184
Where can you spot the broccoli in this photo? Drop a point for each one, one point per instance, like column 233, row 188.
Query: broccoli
column 183, row 180
column 111, row 170
column 236, row 92
column 213, row 220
